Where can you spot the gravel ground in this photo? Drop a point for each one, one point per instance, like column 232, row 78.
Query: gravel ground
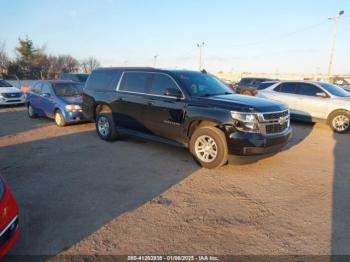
column 81, row 195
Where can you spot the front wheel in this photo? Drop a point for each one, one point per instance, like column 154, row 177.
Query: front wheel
column 209, row 147
column 59, row 119
column 340, row 121
column 31, row 112
column 105, row 127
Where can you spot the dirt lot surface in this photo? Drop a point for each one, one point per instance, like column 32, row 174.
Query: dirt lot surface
column 81, row 195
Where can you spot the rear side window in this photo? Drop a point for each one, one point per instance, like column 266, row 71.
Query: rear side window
column 290, row 88
column 103, row 80
column 135, row 82
column 308, row 90
column 161, row 83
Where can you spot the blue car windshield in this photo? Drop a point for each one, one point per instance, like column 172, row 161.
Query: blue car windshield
column 68, row 89
column 202, row 84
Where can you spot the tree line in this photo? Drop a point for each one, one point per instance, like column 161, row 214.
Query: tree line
column 34, row 63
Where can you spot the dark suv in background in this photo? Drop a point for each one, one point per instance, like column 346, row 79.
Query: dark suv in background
column 187, row 108
column 81, row 78
column 248, row 85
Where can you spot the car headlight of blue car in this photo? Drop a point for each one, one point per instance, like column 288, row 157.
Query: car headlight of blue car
column 73, row 108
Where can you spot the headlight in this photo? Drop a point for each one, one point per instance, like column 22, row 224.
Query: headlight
column 73, row 108
column 246, row 122
column 1, row 95
column 2, row 188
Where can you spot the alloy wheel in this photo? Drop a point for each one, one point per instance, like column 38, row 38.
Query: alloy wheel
column 341, row 123
column 206, row 148
column 103, row 126
column 58, row 119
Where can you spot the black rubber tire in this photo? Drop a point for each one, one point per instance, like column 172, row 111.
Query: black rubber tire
column 334, row 115
column 63, row 122
column 219, row 137
column 33, row 115
column 112, row 130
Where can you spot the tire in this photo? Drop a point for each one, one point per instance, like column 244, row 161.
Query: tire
column 216, row 153
column 31, row 112
column 59, row 119
column 340, row 121
column 105, row 127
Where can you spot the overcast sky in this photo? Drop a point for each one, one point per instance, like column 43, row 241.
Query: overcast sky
column 290, row 36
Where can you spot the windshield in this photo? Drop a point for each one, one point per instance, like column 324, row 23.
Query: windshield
column 3, row 83
column 68, row 89
column 82, row 77
column 202, row 84
column 334, row 90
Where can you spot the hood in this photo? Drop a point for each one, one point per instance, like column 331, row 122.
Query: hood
column 11, row 89
column 243, row 103
column 72, row 100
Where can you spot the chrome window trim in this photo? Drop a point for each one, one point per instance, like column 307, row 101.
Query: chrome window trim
column 160, row 73
column 8, row 225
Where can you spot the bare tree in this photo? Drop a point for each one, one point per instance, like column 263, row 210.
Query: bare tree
column 90, row 64
column 4, row 58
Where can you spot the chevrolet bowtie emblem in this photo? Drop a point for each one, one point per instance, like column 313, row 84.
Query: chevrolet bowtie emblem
column 282, row 120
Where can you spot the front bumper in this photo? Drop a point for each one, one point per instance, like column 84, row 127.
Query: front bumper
column 12, row 101
column 240, row 143
column 74, row 117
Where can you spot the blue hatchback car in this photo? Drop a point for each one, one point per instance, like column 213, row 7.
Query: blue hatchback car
column 56, row 99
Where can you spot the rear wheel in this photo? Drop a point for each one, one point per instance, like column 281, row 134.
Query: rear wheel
column 105, row 127
column 209, row 147
column 59, row 119
column 31, row 112
column 340, row 121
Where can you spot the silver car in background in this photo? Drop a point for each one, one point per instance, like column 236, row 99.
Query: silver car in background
column 313, row 101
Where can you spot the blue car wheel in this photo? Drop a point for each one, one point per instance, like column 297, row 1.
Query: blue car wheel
column 59, row 119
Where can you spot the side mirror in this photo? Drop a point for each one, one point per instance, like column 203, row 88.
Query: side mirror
column 46, row 95
column 321, row 94
column 173, row 92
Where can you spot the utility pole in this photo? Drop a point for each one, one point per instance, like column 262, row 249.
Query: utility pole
column 200, row 46
column 155, row 60
column 335, row 30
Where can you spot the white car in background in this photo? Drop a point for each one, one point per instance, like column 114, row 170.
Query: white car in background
column 10, row 95
column 313, row 101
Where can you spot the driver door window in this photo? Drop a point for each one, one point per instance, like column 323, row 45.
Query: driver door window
column 161, row 83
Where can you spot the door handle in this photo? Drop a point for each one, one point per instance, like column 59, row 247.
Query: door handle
column 121, row 99
column 150, row 103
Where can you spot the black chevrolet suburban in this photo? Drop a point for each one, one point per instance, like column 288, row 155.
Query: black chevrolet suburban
column 188, row 108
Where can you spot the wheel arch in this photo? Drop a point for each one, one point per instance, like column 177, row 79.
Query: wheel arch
column 329, row 117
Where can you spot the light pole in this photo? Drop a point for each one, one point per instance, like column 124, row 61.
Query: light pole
column 155, row 60
column 200, row 46
column 335, row 30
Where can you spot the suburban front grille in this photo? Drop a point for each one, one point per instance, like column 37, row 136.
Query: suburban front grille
column 11, row 95
column 276, row 128
column 274, row 122
column 271, row 116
